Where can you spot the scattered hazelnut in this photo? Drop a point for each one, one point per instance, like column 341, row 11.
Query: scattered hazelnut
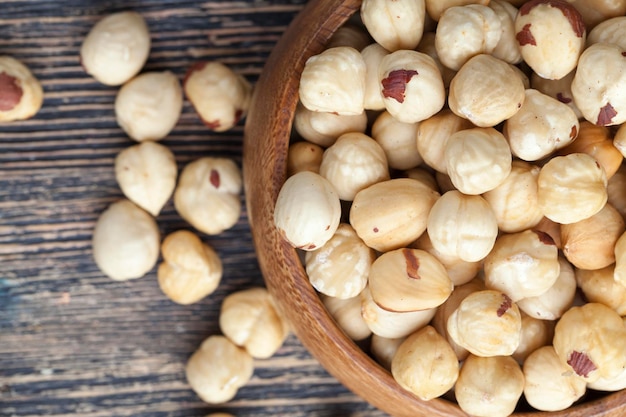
column 21, row 94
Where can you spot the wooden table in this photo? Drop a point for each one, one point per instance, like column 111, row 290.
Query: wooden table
column 72, row 341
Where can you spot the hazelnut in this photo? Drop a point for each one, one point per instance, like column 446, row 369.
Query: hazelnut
column 620, row 260
column 384, row 349
column 149, row 106
column 334, row 81
column 551, row 35
column 250, row 319
column 427, row 46
column 394, row 25
column 507, row 48
column 350, row 34
column 615, row 383
column 571, row 188
column 21, row 94
column 347, row 314
column 619, row 140
column 218, row 369
column 391, row 214
column 535, row 334
column 324, row 128
column 208, row 194
column 340, row 267
column 125, row 241
column 616, row 190
column 427, row 354
column 549, row 385
column 611, row 31
column 600, row 286
column 398, row 140
column 435, row 8
column 147, row 173
column 560, row 89
column 307, row 210
column 408, row 279
column 423, row 175
column 190, row 270
column 596, row 11
column 116, row 48
column 219, row 95
column 372, row 55
column 462, row 226
column 304, row 156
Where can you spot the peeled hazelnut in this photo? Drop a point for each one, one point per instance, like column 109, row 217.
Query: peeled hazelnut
column 341, row 266
column 619, row 140
column 599, row 286
column 477, row 160
column 486, row 323
column 191, row 270
column 590, row 243
column 462, row 226
column 427, row 46
column 218, row 369
column 116, row 48
column 535, row 334
column 394, row 25
column 523, row 264
column 304, row 156
column 423, row 175
column 486, row 91
column 147, row 173
column 551, row 35
column 507, row 48
column 391, row 214
column 207, row 195
column 347, row 315
column 549, row 385
column 350, row 34
column 125, row 241
column 354, row 162
column 220, row 96
column 408, row 280
column 552, row 228
column 21, row 94
column 384, row 349
column 427, row 354
column 398, row 140
column 435, row 8
column 411, row 85
column 591, row 341
column 596, row 11
column 571, row 188
column 334, row 81
column 489, row 387
column 560, row 89
column 149, row 106
column 372, row 55
column 307, row 210
column 615, row 383
column 323, row 128
column 251, row 320
column 612, row 31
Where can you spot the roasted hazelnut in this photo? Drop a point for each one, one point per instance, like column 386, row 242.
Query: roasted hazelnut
column 21, row 94
column 398, row 140
column 323, row 128
column 304, row 156
column 347, row 315
column 394, row 25
column 600, row 286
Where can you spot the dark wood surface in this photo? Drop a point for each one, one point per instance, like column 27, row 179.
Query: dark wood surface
column 72, row 341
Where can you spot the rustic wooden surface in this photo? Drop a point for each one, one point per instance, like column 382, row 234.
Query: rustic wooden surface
column 73, row 342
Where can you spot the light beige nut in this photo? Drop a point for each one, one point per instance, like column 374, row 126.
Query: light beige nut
column 384, row 349
column 372, row 55
column 354, row 162
column 462, row 226
column 611, row 31
column 535, row 334
column 149, row 106
column 591, row 341
column 190, row 270
column 322, row 128
column 347, row 315
column 392, row 324
column 427, row 46
column 552, row 228
column 398, row 140
column 464, row 32
column 615, row 383
column 489, row 387
column 394, row 25
column 435, row 8
column 350, row 34
column 250, row 319
column 590, row 243
column 433, row 135
column 208, row 194
column 304, row 156
column 514, row 202
column 596, row 11
column 477, row 160
column 423, row 175
column 560, row 89
column 334, row 81
column 596, row 141
column 486, row 91
column 218, row 369
column 549, row 385
column 507, row 48
column 486, row 323
column 551, row 35
column 408, row 279
column 599, row 83
column 391, row 214
column 411, row 85
column 425, row 364
column 619, row 140
column 551, row 304
column 541, row 126
column 307, row 210
column 125, row 241
column 220, row 96
column 21, row 94
column 146, row 174
column 116, row 48
column 600, row 286
column 571, row 188
column 522, row 264
column 341, row 266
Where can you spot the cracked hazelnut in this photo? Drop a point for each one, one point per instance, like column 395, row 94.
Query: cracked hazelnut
column 21, row 94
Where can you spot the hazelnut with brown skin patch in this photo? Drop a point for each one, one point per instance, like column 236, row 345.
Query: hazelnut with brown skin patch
column 21, row 94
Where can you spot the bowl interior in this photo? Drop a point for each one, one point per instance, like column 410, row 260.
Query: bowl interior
column 267, row 134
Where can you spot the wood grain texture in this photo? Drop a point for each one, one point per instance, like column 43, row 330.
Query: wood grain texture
column 73, row 342
column 267, row 135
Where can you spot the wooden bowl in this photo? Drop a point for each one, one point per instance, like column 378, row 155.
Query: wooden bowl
column 267, row 134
